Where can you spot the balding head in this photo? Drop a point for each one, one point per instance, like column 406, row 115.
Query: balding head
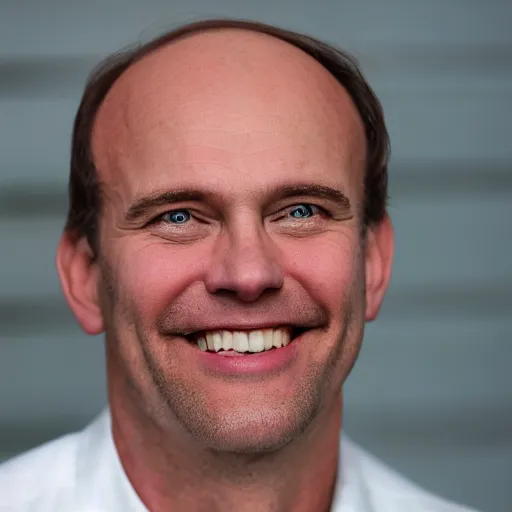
column 199, row 53
column 217, row 96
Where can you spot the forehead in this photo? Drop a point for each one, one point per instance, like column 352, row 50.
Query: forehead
column 228, row 101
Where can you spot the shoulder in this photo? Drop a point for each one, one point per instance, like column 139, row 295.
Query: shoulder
column 388, row 491
column 37, row 480
column 53, row 476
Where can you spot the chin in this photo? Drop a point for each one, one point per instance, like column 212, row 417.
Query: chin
column 267, row 440
column 251, row 430
column 240, row 416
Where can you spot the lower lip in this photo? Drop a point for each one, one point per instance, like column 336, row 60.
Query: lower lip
column 270, row 361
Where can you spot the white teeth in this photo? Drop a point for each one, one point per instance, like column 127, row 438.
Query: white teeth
column 268, row 337
column 217, row 341
column 257, row 340
column 209, row 340
column 202, row 344
column 277, row 338
column 240, row 341
column 227, row 340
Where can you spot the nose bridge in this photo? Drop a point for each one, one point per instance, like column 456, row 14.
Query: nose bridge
column 245, row 261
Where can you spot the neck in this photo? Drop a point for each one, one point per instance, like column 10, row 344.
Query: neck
column 171, row 471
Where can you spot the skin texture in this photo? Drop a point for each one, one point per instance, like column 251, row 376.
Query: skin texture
column 240, row 118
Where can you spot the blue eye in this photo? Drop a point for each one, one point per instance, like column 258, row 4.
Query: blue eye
column 177, row 216
column 302, row 211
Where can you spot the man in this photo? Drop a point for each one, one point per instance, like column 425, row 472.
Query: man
column 228, row 232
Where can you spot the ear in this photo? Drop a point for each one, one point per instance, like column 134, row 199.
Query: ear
column 379, row 257
column 79, row 274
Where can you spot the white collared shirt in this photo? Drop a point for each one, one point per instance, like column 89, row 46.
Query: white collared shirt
column 82, row 472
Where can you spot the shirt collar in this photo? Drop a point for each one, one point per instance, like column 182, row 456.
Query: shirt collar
column 351, row 493
column 101, row 479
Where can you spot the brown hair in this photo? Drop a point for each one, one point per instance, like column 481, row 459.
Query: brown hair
column 84, row 185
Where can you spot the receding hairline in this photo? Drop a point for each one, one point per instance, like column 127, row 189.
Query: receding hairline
column 152, row 49
column 84, row 187
column 298, row 67
column 140, row 51
column 296, row 42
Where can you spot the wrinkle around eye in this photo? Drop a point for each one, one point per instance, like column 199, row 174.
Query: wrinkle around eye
column 322, row 220
column 193, row 229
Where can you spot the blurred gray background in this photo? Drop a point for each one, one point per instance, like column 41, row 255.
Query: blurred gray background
column 432, row 392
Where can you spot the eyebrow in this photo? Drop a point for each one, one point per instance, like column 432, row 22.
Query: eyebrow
column 145, row 204
column 312, row 190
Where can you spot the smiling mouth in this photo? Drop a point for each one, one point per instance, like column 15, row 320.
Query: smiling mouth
column 225, row 342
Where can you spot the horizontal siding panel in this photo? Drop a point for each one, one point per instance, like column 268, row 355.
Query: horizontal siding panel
column 449, row 127
column 451, row 241
column 454, row 70
column 476, row 476
column 35, row 140
column 441, row 360
column 68, row 26
column 57, row 377
column 28, row 258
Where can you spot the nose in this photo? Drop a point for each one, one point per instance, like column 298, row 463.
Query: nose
column 244, row 265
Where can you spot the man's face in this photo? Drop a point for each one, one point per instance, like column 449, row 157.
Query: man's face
column 255, row 156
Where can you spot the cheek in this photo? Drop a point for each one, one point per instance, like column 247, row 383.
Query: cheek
column 151, row 274
column 328, row 268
